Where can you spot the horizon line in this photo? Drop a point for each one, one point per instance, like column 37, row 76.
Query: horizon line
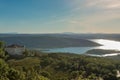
column 57, row 33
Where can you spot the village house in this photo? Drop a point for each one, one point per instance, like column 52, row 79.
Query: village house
column 15, row 49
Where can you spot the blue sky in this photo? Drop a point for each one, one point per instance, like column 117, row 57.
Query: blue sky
column 56, row 16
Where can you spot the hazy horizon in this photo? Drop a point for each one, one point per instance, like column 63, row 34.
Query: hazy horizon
column 59, row 16
column 55, row 33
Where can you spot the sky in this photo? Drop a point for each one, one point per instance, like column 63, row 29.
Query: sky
column 58, row 16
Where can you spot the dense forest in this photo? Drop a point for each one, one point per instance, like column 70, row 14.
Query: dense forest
column 35, row 65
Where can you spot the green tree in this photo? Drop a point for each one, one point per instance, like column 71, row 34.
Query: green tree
column 2, row 44
column 45, row 74
column 3, row 70
column 74, row 74
column 26, row 53
column 15, row 74
column 7, row 73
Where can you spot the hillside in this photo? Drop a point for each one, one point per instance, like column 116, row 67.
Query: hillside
column 58, row 66
column 47, row 41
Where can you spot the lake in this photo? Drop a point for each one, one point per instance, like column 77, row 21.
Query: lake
column 106, row 45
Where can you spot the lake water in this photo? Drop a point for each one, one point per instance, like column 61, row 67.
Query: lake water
column 106, row 45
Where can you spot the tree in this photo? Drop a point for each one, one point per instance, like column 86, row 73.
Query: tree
column 3, row 70
column 26, row 53
column 45, row 74
column 2, row 44
column 74, row 74
column 3, row 54
column 7, row 73
column 15, row 74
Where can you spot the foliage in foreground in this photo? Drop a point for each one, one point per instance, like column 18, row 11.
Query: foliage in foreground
column 57, row 66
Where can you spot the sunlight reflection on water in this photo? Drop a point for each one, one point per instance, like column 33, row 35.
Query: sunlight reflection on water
column 108, row 44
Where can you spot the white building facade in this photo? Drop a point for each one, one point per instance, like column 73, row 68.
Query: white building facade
column 15, row 49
